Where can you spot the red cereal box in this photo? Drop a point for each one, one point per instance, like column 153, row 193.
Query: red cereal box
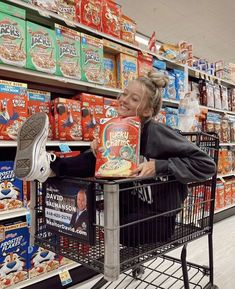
column 118, row 149
column 67, row 154
column 111, row 18
column 219, row 195
column 128, row 29
column 144, row 63
column 67, row 119
column 13, row 108
column 110, row 107
column 78, row 10
column 92, row 112
column 91, row 13
column 40, row 101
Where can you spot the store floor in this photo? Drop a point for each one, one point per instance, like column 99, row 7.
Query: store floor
column 224, row 252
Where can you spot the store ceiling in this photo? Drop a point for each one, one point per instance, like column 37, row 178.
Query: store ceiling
column 208, row 24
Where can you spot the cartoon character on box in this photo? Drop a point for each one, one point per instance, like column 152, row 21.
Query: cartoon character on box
column 11, row 189
column 13, row 253
column 41, row 261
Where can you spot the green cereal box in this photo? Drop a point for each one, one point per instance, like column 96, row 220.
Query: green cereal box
column 12, row 40
column 12, row 10
column 41, row 52
column 92, row 59
column 68, row 52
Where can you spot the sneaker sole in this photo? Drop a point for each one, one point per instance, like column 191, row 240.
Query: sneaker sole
column 32, row 136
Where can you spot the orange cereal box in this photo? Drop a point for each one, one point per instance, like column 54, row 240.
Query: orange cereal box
column 118, row 149
column 111, row 18
column 110, row 70
column 144, row 63
column 40, row 101
column 92, row 112
column 13, row 108
column 126, row 69
column 128, row 29
column 67, row 119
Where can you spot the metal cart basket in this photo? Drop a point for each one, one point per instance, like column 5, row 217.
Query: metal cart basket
column 136, row 223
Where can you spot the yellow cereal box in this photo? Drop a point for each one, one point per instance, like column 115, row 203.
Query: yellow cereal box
column 110, row 70
column 126, row 69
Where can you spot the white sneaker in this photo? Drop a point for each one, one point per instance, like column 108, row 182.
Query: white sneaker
column 32, row 162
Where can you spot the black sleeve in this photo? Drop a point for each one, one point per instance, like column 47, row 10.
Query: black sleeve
column 176, row 155
column 81, row 166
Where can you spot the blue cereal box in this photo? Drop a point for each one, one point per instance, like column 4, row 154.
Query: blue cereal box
column 11, row 188
column 41, row 261
column 14, row 242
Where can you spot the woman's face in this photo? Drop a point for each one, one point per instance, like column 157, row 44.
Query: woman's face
column 132, row 101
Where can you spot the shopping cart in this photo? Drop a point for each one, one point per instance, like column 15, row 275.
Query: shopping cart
column 131, row 244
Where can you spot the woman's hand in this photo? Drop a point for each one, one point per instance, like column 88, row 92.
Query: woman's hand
column 146, row 169
column 94, row 146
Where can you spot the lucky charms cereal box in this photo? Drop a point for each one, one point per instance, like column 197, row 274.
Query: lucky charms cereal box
column 12, row 40
column 118, row 149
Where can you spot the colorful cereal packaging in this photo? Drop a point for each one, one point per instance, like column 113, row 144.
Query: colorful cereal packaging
column 128, row 29
column 111, row 18
column 110, row 70
column 118, row 149
column 91, row 13
column 68, row 52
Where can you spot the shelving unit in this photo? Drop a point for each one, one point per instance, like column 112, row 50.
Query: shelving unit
column 6, row 215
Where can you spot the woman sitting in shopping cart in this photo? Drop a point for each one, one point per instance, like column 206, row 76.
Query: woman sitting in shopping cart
column 165, row 151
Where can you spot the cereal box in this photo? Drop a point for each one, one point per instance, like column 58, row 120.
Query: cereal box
column 110, row 70
column 126, row 69
column 110, row 107
column 92, row 59
column 68, row 52
column 41, row 261
column 40, row 101
column 120, row 141
column 128, row 29
column 41, row 52
column 12, row 10
column 67, row 9
column 51, row 5
column 13, row 108
column 67, row 119
column 91, row 13
column 92, row 112
column 78, row 4
column 12, row 40
column 14, row 242
column 111, row 18
column 11, row 188
column 144, row 63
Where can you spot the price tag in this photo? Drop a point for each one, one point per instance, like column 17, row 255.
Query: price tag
column 64, row 148
column 65, row 277
column 28, row 219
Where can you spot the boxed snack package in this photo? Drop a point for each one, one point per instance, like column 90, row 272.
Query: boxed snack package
column 92, row 112
column 41, row 52
column 144, row 63
column 41, row 261
column 128, row 29
column 92, row 59
column 14, row 242
column 68, row 52
column 110, row 70
column 12, row 40
column 67, row 119
column 126, row 69
column 13, row 108
column 119, row 140
column 40, row 101
column 111, row 18
column 67, row 9
column 11, row 188
column 91, row 13
column 110, row 107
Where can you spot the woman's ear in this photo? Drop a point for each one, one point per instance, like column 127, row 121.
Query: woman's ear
column 148, row 112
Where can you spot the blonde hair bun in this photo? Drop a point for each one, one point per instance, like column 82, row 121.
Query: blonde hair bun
column 159, row 79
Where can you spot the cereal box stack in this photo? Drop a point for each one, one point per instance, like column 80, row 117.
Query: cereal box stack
column 92, row 59
column 40, row 101
column 41, row 52
column 92, row 112
column 11, row 188
column 13, row 108
column 67, row 119
column 12, row 40
column 14, row 242
column 120, row 141
column 68, row 52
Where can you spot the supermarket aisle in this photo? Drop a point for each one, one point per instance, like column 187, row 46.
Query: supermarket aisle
column 224, row 252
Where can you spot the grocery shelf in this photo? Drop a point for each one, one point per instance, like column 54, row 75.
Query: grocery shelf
column 227, row 144
column 218, row 110
column 42, row 277
column 226, row 175
column 53, row 80
column 4, row 215
column 224, row 213
column 6, row 143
